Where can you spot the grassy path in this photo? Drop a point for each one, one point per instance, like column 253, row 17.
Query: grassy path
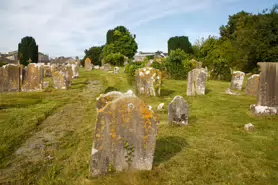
column 214, row 149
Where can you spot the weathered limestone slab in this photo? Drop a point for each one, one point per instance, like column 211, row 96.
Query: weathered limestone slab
column 267, row 97
column 32, row 78
column 59, row 80
column 47, row 71
column 96, row 67
column 69, row 74
column 178, row 111
column 196, row 82
column 148, row 81
column 107, row 67
column 125, row 137
column 10, row 80
column 237, row 80
column 116, row 70
column 88, row 64
column 253, row 85
column 160, row 107
column 75, row 70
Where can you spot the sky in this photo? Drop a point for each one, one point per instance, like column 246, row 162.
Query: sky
column 68, row 27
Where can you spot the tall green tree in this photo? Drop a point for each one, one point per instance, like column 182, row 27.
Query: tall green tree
column 27, row 50
column 120, row 40
column 94, row 53
column 181, row 42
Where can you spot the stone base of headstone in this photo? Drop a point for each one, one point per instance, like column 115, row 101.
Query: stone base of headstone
column 263, row 110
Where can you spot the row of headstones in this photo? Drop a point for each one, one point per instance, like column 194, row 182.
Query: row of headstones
column 264, row 86
column 126, row 130
column 89, row 66
column 15, row 78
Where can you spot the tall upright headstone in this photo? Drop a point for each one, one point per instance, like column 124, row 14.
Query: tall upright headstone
column 148, row 81
column 252, row 85
column 32, row 78
column 267, row 96
column 88, row 64
column 10, row 80
column 125, row 136
column 237, row 80
column 196, row 82
column 75, row 70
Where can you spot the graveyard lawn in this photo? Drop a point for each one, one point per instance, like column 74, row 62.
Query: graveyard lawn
column 46, row 137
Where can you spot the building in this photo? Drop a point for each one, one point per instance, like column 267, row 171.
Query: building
column 140, row 57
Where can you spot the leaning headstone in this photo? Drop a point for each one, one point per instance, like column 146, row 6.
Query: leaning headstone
column 252, row 85
column 178, row 111
column 107, row 67
column 267, row 101
column 10, row 80
column 59, row 80
column 125, row 137
column 148, row 81
column 75, row 70
column 196, row 82
column 32, row 78
column 88, row 64
column 116, row 70
column 237, row 80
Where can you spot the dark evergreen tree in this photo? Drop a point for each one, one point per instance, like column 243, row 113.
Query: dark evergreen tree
column 181, row 42
column 27, row 51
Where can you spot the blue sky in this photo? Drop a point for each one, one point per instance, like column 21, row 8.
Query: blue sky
column 68, row 27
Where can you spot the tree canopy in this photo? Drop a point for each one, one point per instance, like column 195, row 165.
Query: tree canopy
column 27, row 50
column 94, row 53
column 181, row 42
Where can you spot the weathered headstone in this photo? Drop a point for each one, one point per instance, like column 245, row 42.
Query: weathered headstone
column 178, row 111
column 237, row 80
column 230, row 92
column 69, row 74
column 252, row 85
column 160, row 107
column 47, row 71
column 267, row 97
column 96, row 67
column 116, row 70
column 75, row 70
column 148, row 81
column 196, row 82
column 45, row 85
column 88, row 64
column 59, row 80
column 10, row 78
column 32, row 78
column 125, row 137
column 107, row 67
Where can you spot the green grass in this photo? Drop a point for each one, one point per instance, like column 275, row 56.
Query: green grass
column 213, row 149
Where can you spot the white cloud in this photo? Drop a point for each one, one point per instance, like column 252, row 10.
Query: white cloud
column 67, row 27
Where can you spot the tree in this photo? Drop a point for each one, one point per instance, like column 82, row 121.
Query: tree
column 27, row 50
column 181, row 42
column 94, row 53
column 120, row 40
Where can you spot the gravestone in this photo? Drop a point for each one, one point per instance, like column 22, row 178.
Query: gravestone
column 116, row 70
column 45, row 85
column 267, row 96
column 196, row 82
column 107, row 67
column 47, row 71
column 75, row 70
column 59, row 80
column 125, row 137
column 148, row 81
column 96, row 67
column 178, row 111
column 32, row 78
column 53, row 68
column 88, row 64
column 68, row 73
column 237, row 80
column 252, row 85
column 10, row 80
column 160, row 107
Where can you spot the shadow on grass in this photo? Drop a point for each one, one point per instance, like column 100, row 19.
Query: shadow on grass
column 166, row 92
column 109, row 89
column 168, row 147
column 208, row 91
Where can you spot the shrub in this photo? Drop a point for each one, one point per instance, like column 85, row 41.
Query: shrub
column 221, row 70
column 130, row 71
column 115, row 59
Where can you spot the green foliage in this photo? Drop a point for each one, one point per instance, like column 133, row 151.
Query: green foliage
column 27, row 49
column 120, row 40
column 130, row 71
column 94, row 53
column 181, row 42
column 160, row 66
column 178, row 64
column 221, row 70
column 115, row 59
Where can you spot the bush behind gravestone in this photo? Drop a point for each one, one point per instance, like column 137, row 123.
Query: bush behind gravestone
column 130, row 71
column 221, row 70
column 115, row 59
